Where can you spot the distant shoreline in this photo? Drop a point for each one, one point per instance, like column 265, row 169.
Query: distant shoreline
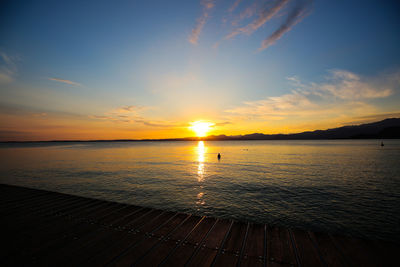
column 182, row 140
column 385, row 129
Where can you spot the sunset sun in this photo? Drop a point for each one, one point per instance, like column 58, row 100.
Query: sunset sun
column 201, row 128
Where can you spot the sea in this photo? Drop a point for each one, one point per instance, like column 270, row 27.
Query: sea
column 350, row 187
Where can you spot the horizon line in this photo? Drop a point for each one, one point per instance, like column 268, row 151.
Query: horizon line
column 204, row 138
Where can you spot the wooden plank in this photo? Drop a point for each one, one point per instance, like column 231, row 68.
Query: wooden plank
column 329, row 252
column 254, row 250
column 74, row 214
column 23, row 257
column 20, row 198
column 356, row 251
column 45, row 195
column 81, row 233
column 387, row 252
column 56, row 235
column 90, row 243
column 159, row 252
column 279, row 247
column 135, row 225
column 43, row 212
column 183, row 253
column 11, row 190
column 123, row 245
column 208, row 250
column 217, row 234
column 123, row 211
column 234, row 241
column 34, row 205
column 103, row 243
column 31, row 227
column 307, row 253
column 13, row 220
column 125, row 219
column 230, row 253
column 18, row 224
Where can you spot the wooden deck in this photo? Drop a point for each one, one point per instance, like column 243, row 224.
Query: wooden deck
column 41, row 228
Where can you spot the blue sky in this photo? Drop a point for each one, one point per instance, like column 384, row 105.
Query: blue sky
column 139, row 69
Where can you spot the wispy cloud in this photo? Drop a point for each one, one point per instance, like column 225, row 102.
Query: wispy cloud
column 208, row 3
column 129, row 109
column 343, row 93
column 6, row 76
column 65, row 81
column 158, row 123
column 131, row 114
column 8, row 68
column 274, row 107
column 246, row 13
column 234, row 5
column 125, row 114
column 349, row 86
column 247, row 17
column 28, row 111
column 300, row 11
column 265, row 15
column 207, row 6
column 136, row 119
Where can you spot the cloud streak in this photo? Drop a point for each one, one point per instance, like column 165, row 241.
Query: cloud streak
column 265, row 15
column 247, row 19
column 295, row 16
column 132, row 114
column 8, row 68
column 201, row 21
column 129, row 109
column 234, row 5
column 349, row 86
column 65, row 81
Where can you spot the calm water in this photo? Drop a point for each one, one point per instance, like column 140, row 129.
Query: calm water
column 350, row 186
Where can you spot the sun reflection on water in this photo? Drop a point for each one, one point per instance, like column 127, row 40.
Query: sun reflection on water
column 200, row 200
column 201, row 150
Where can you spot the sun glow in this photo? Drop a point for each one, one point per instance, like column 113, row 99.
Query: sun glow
column 201, row 128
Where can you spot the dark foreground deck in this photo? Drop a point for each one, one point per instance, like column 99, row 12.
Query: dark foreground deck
column 41, row 228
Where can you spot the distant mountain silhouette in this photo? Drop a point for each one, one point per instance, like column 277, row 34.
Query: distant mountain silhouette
column 385, row 129
column 388, row 128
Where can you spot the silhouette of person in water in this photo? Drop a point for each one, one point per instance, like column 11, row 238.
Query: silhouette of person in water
column 219, row 156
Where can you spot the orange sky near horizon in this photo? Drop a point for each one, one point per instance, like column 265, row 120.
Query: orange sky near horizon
column 43, row 127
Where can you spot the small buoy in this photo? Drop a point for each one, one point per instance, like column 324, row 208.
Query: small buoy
column 382, row 144
column 219, row 156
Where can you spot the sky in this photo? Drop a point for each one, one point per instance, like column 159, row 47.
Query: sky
column 90, row 70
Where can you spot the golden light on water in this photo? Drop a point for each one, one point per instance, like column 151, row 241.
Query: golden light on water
column 201, row 150
column 201, row 128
